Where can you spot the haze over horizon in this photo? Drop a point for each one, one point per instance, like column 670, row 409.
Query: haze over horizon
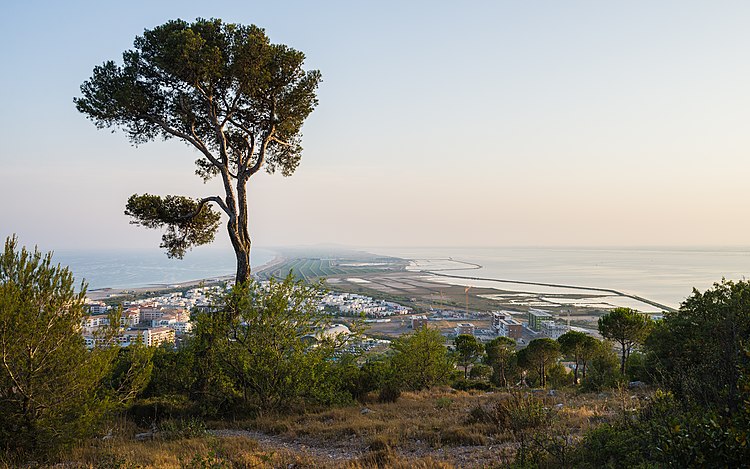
column 439, row 124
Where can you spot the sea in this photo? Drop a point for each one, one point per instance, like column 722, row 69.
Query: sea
column 134, row 268
column 664, row 275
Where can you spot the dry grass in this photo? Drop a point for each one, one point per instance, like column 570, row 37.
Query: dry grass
column 190, row 452
column 437, row 423
column 226, row 452
column 439, row 428
column 436, row 418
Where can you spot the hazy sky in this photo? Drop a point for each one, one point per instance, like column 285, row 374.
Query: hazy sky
column 440, row 123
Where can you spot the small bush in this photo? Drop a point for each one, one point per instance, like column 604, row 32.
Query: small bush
column 389, row 393
column 603, row 371
column 558, row 376
column 480, row 371
column 467, row 385
column 179, row 429
column 443, row 402
column 208, row 461
column 146, row 411
column 635, row 368
column 380, row 443
column 522, row 412
column 459, row 436
column 523, row 415
column 480, row 414
column 377, row 458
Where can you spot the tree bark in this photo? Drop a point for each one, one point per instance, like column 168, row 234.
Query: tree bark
column 542, row 375
column 243, row 264
column 242, row 232
column 241, row 245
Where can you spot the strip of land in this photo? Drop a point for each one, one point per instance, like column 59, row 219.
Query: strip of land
column 557, row 285
column 424, row 285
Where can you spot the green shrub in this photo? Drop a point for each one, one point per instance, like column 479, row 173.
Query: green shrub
column 175, row 429
column 603, row 370
column 523, row 415
column 558, row 376
column 635, row 368
column 421, row 360
column 145, row 412
column 665, row 433
column 482, row 414
column 467, row 384
column 53, row 391
column 480, row 371
column 390, row 392
column 443, row 402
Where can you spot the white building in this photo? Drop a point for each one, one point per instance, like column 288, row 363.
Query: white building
column 97, row 307
column 155, row 336
column 465, row 328
column 95, row 321
column 130, row 317
column 552, row 330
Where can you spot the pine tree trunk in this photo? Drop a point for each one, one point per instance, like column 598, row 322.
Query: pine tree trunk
column 241, row 244
column 240, row 234
column 243, row 265
column 542, row 375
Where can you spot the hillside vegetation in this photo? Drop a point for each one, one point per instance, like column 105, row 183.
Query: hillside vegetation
column 257, row 385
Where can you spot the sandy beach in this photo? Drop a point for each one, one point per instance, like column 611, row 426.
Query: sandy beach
column 99, row 294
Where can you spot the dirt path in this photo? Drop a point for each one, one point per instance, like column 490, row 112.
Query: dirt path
column 334, row 452
column 351, row 449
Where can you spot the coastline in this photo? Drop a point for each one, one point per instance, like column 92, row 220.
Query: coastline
column 436, row 271
column 106, row 292
column 103, row 293
column 554, row 285
column 664, row 275
column 277, row 260
column 460, row 280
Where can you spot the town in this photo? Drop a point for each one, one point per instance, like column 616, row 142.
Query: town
column 166, row 319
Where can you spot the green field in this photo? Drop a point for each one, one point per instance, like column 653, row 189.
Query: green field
column 312, row 268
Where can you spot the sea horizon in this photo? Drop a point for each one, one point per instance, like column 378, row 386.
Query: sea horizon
column 143, row 267
column 663, row 274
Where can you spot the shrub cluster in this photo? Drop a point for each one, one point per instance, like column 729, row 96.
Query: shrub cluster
column 260, row 349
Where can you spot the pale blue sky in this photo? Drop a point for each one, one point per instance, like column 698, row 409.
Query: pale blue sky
column 440, row 123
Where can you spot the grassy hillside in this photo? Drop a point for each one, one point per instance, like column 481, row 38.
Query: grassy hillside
column 433, row 428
